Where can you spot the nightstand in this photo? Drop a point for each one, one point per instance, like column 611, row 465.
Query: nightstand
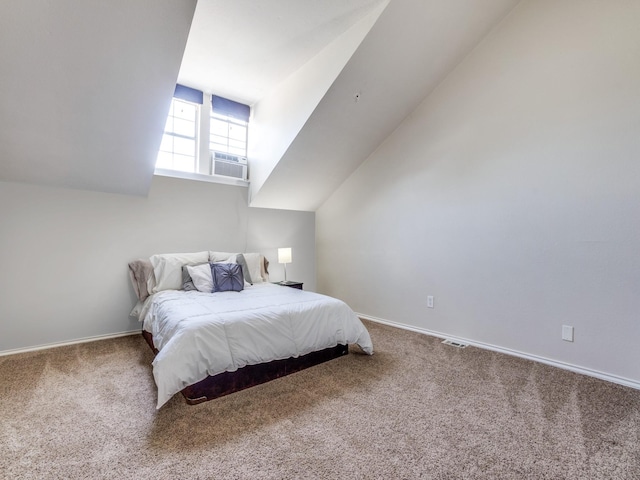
column 291, row 284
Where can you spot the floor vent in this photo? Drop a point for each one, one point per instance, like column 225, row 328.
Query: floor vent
column 454, row 344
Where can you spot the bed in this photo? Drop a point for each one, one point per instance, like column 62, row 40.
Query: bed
column 211, row 344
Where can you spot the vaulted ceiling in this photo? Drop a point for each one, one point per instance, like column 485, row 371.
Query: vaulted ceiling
column 84, row 89
column 243, row 49
column 86, row 85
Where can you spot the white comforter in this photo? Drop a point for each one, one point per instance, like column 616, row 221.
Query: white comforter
column 200, row 334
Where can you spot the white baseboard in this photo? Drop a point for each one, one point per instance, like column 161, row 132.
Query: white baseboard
column 71, row 342
column 554, row 363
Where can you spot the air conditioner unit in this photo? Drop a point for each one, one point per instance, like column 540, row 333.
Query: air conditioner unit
column 229, row 165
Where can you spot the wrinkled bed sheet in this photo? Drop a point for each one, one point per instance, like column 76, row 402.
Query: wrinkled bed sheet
column 200, row 334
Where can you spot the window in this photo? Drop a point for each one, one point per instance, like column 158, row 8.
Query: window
column 228, row 135
column 178, row 148
column 228, row 145
column 229, row 128
column 204, row 139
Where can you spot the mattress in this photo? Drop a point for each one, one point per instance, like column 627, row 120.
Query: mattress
column 203, row 334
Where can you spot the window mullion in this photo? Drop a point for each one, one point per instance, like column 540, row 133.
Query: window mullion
column 203, row 160
column 181, row 136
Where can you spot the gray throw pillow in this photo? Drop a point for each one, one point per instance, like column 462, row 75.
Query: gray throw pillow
column 227, row 277
column 187, row 283
column 240, row 260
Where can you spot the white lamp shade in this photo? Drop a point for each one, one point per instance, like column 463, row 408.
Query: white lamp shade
column 284, row 255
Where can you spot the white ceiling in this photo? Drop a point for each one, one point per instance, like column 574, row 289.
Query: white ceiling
column 411, row 48
column 242, row 49
column 86, row 85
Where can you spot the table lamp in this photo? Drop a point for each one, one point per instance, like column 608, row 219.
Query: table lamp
column 284, row 257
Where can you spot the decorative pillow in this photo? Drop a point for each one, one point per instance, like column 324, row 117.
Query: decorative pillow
column 167, row 268
column 227, row 277
column 140, row 272
column 233, row 259
column 202, row 277
column 187, row 282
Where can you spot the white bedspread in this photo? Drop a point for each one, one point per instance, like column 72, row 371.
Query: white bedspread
column 200, row 334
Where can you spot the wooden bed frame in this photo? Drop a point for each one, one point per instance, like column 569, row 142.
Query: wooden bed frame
column 251, row 375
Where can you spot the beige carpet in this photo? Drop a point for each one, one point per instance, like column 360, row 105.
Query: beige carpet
column 416, row 409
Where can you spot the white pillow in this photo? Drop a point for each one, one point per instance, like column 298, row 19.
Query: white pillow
column 254, row 262
column 201, row 276
column 167, row 268
column 151, row 283
column 220, row 257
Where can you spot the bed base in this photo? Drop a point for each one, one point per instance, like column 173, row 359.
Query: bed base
column 229, row 382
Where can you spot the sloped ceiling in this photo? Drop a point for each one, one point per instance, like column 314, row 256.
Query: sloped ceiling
column 243, row 49
column 85, row 89
column 409, row 50
column 281, row 114
column 86, row 85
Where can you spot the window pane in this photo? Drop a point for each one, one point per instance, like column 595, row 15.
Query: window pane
column 168, row 127
column 219, row 148
column 237, row 145
column 183, row 163
column 219, row 127
column 237, row 132
column 165, row 160
column 228, row 135
column 184, row 110
column 177, row 152
column 217, row 139
column 184, row 146
column 167, row 143
column 237, row 151
column 184, row 127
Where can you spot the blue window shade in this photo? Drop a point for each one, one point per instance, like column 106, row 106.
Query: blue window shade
column 189, row 94
column 229, row 108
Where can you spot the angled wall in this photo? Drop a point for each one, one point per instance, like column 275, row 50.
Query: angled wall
column 408, row 51
column 278, row 117
column 511, row 194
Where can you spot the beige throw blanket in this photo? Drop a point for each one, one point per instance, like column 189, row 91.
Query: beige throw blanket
column 139, row 272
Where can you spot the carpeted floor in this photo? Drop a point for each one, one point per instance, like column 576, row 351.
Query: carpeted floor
column 416, row 409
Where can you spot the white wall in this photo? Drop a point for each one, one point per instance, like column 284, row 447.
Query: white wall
column 512, row 194
column 279, row 116
column 64, row 253
column 340, row 132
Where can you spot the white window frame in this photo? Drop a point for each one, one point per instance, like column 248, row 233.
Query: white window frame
column 203, row 161
column 176, row 104
column 230, row 123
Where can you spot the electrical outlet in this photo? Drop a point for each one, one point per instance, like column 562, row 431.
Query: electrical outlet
column 567, row 333
column 430, row 301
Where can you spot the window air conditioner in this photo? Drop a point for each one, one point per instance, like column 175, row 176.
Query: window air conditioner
column 229, row 165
